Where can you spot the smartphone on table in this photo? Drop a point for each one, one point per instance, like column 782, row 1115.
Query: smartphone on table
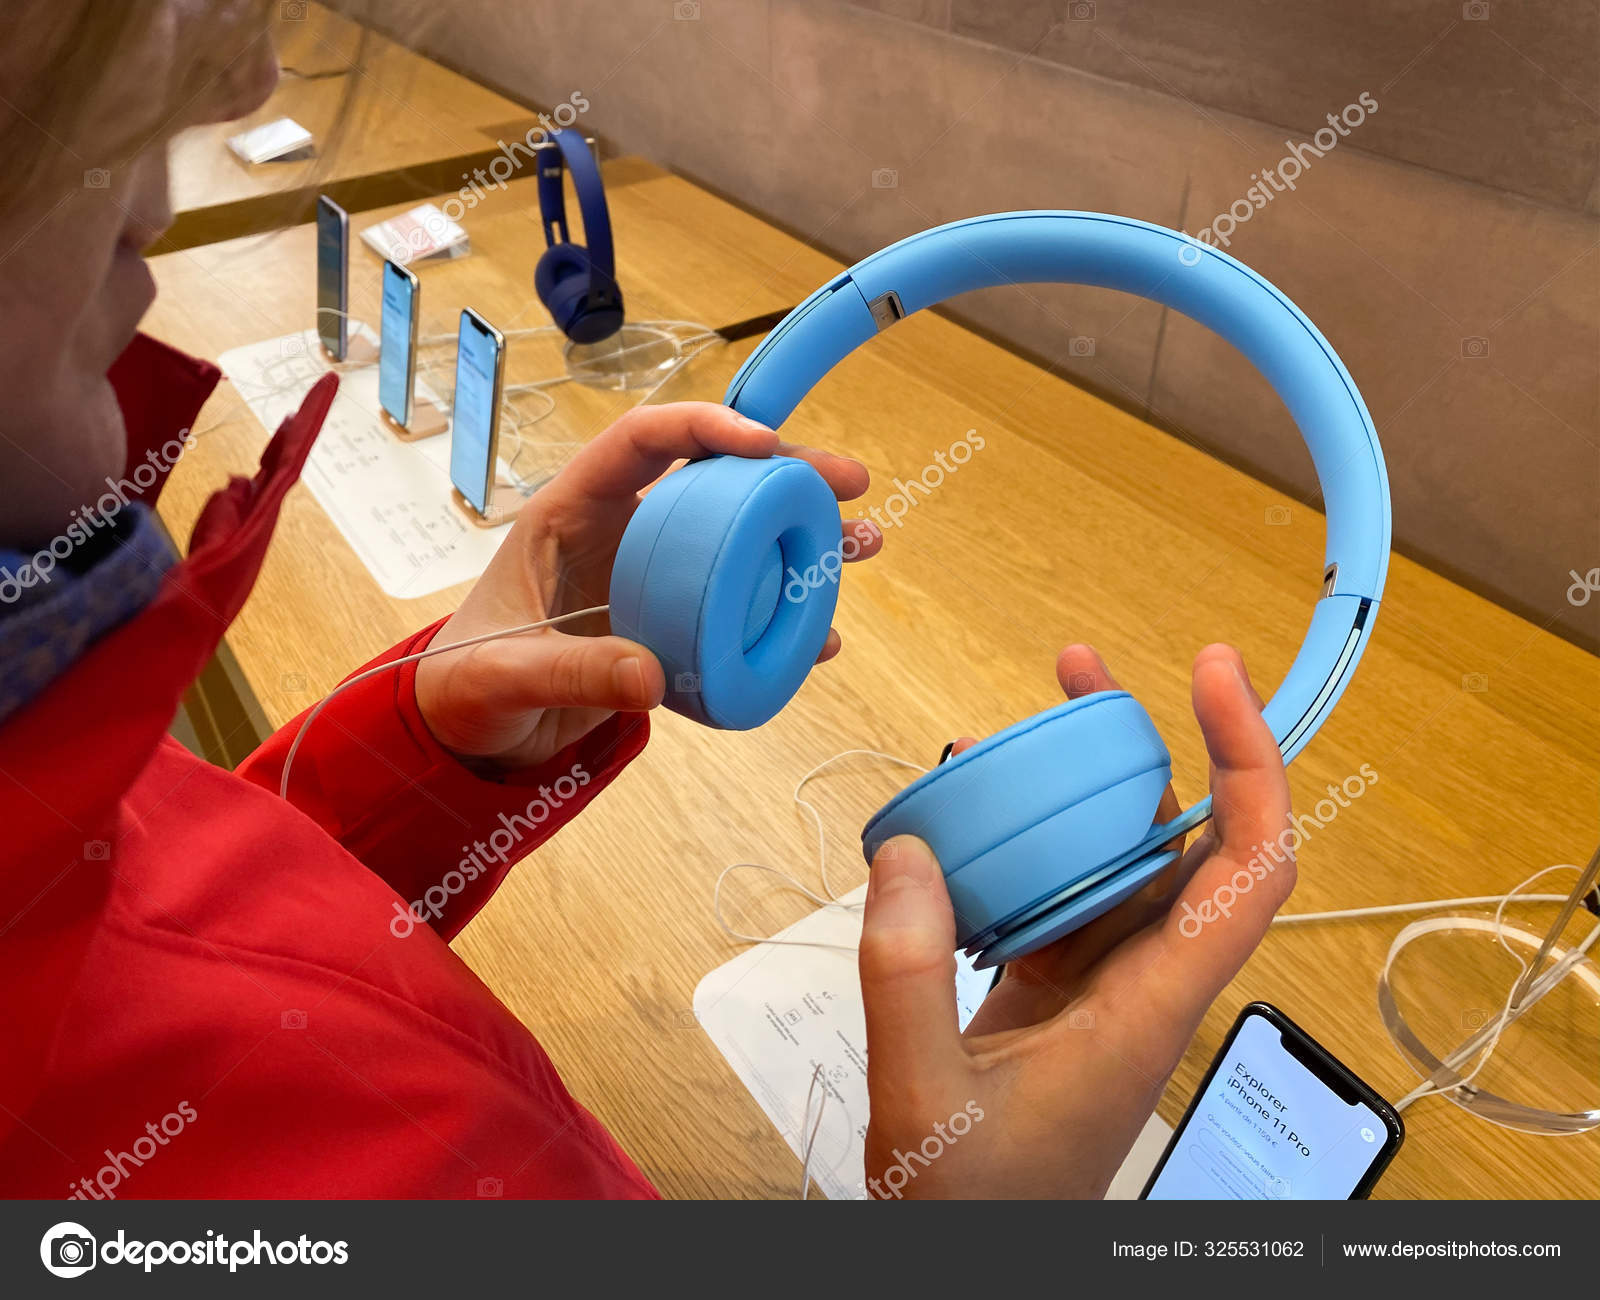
column 1277, row 1117
column 475, row 426
column 333, row 277
column 397, row 349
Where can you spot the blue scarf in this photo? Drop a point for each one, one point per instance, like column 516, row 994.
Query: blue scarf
column 52, row 609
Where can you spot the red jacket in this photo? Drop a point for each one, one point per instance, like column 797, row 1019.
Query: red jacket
column 208, row 992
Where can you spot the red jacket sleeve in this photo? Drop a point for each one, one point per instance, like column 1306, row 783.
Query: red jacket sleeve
column 371, row 774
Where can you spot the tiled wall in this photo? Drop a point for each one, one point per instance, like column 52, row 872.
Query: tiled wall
column 1447, row 246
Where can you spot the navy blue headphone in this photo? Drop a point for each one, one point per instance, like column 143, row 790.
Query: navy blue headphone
column 1051, row 822
column 577, row 284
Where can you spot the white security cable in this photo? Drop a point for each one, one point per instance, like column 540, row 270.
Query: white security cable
column 1398, row 909
column 792, row 883
column 294, row 747
column 816, row 818
column 831, row 899
column 811, row 1138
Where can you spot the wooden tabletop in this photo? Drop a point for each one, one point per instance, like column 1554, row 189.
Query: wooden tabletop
column 388, row 125
column 1076, row 521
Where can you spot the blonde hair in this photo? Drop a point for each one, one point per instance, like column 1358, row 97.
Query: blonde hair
column 40, row 113
column 55, row 100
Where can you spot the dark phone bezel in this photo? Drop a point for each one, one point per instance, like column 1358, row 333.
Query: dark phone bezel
column 326, row 206
column 1329, row 1070
column 471, row 319
column 403, row 419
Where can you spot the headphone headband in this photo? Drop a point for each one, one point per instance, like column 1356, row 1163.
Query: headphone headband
column 572, row 150
column 1199, row 281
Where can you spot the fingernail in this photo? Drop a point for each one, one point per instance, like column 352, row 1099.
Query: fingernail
column 628, row 677
column 909, row 863
column 745, row 422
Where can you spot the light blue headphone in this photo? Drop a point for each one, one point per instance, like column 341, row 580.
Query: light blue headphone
column 1051, row 822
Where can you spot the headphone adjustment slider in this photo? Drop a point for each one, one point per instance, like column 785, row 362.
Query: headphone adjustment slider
column 886, row 309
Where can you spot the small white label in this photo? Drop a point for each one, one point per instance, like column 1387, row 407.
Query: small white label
column 422, row 232
column 280, row 139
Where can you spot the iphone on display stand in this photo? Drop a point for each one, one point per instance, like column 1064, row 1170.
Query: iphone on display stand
column 333, row 278
column 407, row 418
column 475, row 423
column 333, row 287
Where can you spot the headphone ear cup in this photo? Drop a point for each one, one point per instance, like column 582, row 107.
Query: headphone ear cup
column 728, row 573
column 593, row 324
column 561, row 279
column 1034, row 808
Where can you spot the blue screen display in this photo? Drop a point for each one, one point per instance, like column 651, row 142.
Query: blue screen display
column 1267, row 1128
column 394, row 353
column 473, row 429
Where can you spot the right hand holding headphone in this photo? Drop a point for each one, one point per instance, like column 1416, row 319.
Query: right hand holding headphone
column 1045, row 1092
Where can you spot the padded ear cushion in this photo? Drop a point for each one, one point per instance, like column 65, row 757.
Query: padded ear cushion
column 1026, row 812
column 561, row 279
column 728, row 573
column 591, row 324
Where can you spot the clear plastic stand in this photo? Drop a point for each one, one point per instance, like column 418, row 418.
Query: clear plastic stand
column 1498, row 1017
column 636, row 356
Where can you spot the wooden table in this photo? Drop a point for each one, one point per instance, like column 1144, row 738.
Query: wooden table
column 1076, row 522
column 397, row 127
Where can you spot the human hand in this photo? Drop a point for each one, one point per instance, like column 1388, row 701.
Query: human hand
column 1069, row 1054
column 519, row 700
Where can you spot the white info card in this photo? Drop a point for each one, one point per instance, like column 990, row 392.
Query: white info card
column 778, row 1012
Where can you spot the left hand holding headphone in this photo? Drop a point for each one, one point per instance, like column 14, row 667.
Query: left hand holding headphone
column 523, row 699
